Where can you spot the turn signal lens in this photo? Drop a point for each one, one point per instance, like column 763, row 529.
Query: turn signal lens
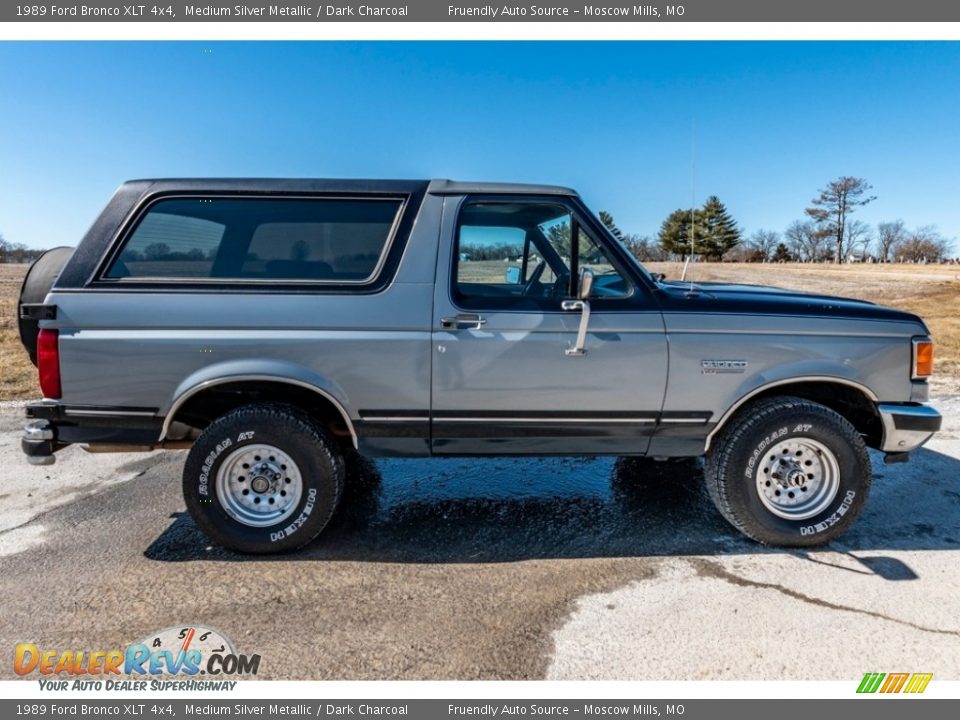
column 48, row 363
column 922, row 358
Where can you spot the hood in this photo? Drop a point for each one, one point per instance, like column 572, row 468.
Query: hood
column 716, row 297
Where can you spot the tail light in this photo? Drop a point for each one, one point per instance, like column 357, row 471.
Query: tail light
column 922, row 358
column 48, row 362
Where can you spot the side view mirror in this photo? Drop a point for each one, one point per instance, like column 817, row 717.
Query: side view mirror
column 512, row 276
column 585, row 285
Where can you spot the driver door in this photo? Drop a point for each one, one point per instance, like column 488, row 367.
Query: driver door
column 504, row 378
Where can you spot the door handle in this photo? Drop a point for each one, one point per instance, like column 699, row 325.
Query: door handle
column 579, row 349
column 463, row 322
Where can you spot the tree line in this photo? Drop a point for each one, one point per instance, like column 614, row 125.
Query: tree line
column 827, row 233
column 17, row 252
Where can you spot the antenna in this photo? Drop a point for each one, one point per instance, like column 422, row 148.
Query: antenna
column 693, row 200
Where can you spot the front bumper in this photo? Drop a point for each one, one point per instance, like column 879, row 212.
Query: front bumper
column 907, row 426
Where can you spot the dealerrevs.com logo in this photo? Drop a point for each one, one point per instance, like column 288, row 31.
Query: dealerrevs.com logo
column 185, row 652
column 887, row 683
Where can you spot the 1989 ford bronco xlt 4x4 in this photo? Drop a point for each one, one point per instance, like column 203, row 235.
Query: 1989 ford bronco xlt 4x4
column 275, row 327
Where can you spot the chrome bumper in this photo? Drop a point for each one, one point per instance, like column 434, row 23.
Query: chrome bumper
column 907, row 426
column 38, row 443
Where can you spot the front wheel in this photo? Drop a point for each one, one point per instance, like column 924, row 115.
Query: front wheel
column 263, row 479
column 788, row 471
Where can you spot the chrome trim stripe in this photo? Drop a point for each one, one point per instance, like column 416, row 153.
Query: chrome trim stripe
column 547, row 420
column 706, row 330
column 267, row 378
column 109, row 413
column 374, row 418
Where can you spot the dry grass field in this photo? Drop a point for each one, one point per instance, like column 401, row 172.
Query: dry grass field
column 930, row 291
column 18, row 377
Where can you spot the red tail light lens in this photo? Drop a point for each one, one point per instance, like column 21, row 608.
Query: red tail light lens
column 48, row 362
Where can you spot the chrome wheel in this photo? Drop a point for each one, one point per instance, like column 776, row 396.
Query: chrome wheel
column 798, row 478
column 259, row 485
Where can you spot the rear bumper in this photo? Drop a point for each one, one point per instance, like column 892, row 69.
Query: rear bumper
column 38, row 444
column 907, row 426
column 54, row 426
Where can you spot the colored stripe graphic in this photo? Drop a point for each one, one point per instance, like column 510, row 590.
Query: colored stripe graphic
column 870, row 682
column 918, row 682
column 894, row 682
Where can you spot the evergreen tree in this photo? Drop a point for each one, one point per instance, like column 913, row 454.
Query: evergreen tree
column 782, row 254
column 674, row 234
column 716, row 231
column 607, row 219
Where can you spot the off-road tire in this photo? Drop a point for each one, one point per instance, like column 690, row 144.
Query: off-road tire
column 316, row 456
column 739, row 454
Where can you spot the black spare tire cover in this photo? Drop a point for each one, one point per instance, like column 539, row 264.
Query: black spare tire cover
column 40, row 278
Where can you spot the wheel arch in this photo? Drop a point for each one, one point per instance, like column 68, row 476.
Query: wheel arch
column 231, row 391
column 851, row 399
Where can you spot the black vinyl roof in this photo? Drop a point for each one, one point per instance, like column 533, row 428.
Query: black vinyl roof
column 312, row 185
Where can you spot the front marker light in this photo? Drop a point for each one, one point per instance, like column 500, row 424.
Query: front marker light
column 922, row 358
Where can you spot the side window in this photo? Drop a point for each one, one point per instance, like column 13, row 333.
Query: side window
column 337, row 240
column 519, row 254
column 607, row 280
column 170, row 244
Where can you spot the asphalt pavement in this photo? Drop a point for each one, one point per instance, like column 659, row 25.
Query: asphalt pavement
column 491, row 569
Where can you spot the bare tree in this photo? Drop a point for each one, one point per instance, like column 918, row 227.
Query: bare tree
column 644, row 248
column 807, row 243
column 859, row 239
column 834, row 204
column 762, row 244
column 925, row 244
column 889, row 235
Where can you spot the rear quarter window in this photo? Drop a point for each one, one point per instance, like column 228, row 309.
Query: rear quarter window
column 254, row 239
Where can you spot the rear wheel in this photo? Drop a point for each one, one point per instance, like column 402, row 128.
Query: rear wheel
column 263, row 479
column 788, row 471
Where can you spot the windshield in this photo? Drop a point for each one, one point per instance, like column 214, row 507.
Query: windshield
column 632, row 259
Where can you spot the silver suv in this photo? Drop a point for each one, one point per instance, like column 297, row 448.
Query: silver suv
column 278, row 327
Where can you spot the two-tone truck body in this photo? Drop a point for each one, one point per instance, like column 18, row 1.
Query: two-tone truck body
column 276, row 327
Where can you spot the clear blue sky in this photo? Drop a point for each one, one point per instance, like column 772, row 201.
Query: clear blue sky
column 775, row 121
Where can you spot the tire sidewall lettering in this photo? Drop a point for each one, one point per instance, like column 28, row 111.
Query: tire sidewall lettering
column 209, row 462
column 301, row 520
column 833, row 519
column 761, row 447
column 211, row 459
